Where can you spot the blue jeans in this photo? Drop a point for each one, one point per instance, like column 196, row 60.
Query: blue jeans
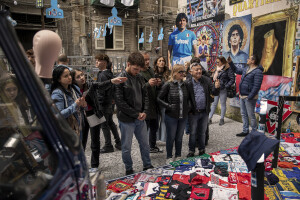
column 175, row 129
column 247, row 110
column 198, row 125
column 162, row 126
column 139, row 129
column 223, row 97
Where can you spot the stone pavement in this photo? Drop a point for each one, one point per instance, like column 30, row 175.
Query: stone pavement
column 221, row 137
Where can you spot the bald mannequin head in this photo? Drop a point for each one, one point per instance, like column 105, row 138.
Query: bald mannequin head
column 46, row 46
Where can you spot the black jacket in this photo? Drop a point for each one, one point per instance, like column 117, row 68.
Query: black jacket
column 169, row 98
column 125, row 99
column 104, row 98
column 92, row 96
column 209, row 89
column 152, row 93
column 226, row 77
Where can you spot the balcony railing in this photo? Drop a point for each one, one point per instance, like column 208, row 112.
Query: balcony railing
column 87, row 64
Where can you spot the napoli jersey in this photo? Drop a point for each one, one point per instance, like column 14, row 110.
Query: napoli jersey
column 182, row 42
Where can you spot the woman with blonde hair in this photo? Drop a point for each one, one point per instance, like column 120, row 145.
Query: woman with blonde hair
column 174, row 97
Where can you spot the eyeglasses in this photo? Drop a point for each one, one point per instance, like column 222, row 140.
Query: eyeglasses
column 181, row 72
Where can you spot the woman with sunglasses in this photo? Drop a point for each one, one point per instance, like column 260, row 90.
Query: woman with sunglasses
column 174, row 97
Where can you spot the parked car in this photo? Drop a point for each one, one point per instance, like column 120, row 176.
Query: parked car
column 40, row 155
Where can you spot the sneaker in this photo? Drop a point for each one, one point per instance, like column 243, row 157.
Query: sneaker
column 149, row 167
column 155, row 150
column 191, row 154
column 107, row 150
column 201, row 152
column 93, row 170
column 169, row 160
column 178, row 158
column 128, row 172
column 118, row 146
column 221, row 122
column 242, row 134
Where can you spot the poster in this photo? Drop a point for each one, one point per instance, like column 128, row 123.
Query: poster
column 236, row 39
column 208, row 37
column 272, row 115
column 269, row 45
column 236, row 43
column 202, row 10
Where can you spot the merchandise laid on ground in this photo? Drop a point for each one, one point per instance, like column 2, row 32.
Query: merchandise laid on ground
column 220, row 175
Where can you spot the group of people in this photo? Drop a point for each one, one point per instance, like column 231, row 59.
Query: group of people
column 153, row 103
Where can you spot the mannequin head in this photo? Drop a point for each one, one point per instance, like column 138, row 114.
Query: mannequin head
column 46, row 46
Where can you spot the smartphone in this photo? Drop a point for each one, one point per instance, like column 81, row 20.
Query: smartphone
column 158, row 76
column 85, row 93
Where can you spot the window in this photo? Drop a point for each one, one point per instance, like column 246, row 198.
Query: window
column 113, row 41
column 147, row 31
column 25, row 158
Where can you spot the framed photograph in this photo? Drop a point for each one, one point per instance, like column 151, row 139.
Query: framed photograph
column 273, row 38
column 296, row 88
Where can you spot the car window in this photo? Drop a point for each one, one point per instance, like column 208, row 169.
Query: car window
column 27, row 162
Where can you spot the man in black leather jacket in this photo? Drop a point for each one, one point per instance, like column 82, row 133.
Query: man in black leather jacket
column 132, row 104
column 105, row 100
column 152, row 116
column 200, row 88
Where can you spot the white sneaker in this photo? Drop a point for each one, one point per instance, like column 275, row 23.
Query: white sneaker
column 178, row 158
column 169, row 160
column 93, row 170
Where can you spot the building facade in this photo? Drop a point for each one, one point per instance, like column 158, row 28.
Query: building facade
column 81, row 17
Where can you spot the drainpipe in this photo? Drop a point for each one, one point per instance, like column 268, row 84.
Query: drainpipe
column 160, row 26
column 83, row 37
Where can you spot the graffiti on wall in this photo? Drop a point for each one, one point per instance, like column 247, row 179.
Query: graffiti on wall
column 204, row 10
column 208, row 42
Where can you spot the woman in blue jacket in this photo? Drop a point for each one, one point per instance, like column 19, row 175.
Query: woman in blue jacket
column 67, row 97
column 252, row 77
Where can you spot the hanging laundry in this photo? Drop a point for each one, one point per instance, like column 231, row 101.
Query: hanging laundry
column 127, row 2
column 108, row 2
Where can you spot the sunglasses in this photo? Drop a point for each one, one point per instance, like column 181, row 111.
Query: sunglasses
column 181, row 72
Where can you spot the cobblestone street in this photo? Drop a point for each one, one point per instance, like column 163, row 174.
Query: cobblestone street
column 221, row 137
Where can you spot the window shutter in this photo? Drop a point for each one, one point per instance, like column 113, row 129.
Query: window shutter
column 99, row 42
column 119, row 37
column 147, row 36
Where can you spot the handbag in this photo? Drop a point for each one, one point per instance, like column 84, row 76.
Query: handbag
column 94, row 120
column 72, row 121
column 231, row 92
